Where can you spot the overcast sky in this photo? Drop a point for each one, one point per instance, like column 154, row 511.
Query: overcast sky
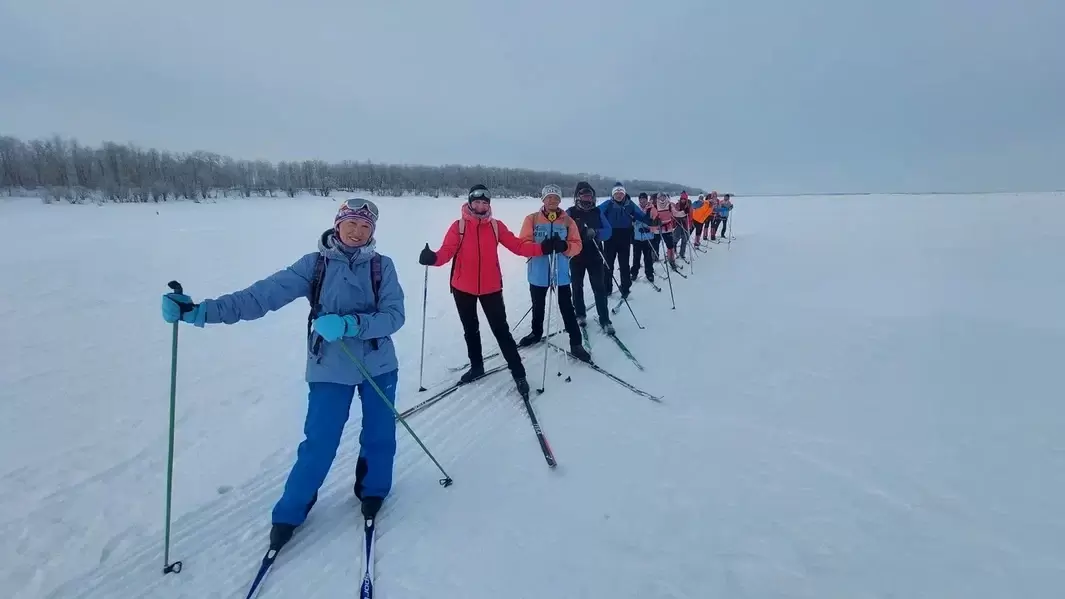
column 743, row 95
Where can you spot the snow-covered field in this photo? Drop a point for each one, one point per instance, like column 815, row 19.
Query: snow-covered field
column 862, row 398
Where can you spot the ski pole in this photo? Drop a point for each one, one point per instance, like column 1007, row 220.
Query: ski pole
column 425, row 305
column 167, row 566
column 527, row 312
column 550, row 310
column 688, row 245
column 446, row 481
column 618, row 285
column 669, row 280
column 729, row 235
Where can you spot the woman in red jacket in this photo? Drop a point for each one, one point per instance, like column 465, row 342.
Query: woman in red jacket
column 472, row 242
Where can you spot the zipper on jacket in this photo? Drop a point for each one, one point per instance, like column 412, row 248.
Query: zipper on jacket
column 480, row 273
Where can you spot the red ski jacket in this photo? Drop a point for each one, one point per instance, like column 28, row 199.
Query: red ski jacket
column 473, row 243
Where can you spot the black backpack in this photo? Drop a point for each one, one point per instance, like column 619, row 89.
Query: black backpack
column 316, row 290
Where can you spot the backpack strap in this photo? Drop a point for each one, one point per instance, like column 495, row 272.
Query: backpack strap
column 375, row 283
column 313, row 295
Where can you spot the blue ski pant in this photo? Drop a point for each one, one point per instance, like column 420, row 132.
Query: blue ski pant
column 328, row 405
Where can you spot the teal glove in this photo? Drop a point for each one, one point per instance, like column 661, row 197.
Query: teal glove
column 178, row 306
column 334, row 326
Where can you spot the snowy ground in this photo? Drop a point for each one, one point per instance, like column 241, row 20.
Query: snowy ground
column 862, row 398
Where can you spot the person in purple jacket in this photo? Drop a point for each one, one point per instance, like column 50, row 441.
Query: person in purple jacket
column 359, row 305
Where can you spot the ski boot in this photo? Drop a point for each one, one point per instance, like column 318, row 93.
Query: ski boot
column 522, row 385
column 474, row 373
column 281, row 533
column 530, row 339
column 370, row 507
column 582, row 321
column 578, row 351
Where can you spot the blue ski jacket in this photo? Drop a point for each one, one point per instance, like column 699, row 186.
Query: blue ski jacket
column 346, row 288
column 621, row 215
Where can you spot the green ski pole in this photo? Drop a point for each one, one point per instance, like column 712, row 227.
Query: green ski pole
column 167, row 566
column 446, row 481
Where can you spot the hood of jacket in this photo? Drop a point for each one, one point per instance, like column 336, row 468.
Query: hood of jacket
column 332, row 248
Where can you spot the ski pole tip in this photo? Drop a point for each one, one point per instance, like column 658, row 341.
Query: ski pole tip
column 174, row 567
column 446, row 482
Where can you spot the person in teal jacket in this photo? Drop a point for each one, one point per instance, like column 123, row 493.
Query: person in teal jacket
column 641, row 245
column 359, row 306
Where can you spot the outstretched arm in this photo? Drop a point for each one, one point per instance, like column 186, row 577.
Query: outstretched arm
column 640, row 215
column 272, row 293
column 521, row 247
column 390, row 314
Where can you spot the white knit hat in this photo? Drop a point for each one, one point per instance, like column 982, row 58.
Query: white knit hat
column 551, row 190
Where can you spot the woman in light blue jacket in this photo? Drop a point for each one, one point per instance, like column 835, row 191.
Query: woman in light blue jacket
column 356, row 301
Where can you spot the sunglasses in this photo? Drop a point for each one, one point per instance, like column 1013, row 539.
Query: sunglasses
column 480, row 194
column 360, row 205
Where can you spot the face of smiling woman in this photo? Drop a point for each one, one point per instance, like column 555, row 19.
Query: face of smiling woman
column 355, row 233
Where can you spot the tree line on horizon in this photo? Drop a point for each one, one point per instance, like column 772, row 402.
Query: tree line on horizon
column 62, row 169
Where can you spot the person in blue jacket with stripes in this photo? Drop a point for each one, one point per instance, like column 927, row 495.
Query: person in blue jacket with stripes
column 356, row 301
column 620, row 212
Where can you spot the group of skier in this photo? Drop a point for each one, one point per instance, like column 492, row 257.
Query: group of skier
column 357, row 304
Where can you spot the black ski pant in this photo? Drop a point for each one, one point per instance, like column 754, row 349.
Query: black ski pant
column 617, row 249
column 642, row 249
column 723, row 221
column 681, row 235
column 699, row 229
column 593, row 265
column 565, row 306
column 496, row 313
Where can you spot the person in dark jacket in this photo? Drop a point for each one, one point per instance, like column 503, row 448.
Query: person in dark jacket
column 620, row 212
column 595, row 229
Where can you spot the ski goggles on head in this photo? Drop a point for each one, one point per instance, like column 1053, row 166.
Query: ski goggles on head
column 357, row 206
column 480, row 194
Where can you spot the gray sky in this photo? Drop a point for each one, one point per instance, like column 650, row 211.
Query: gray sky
column 748, row 96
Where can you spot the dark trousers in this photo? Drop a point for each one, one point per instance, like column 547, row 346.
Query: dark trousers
column 642, row 249
column 681, row 234
column 719, row 220
column 496, row 313
column 593, row 265
column 617, row 249
column 565, row 306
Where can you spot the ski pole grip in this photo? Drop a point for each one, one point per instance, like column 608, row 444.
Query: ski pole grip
column 176, row 287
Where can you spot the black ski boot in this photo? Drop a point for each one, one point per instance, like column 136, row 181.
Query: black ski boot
column 608, row 328
column 578, row 351
column 474, row 373
column 582, row 321
column 370, row 507
column 530, row 339
column 281, row 533
column 523, row 386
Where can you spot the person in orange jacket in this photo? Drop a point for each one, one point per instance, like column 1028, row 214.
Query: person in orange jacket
column 557, row 232
column 471, row 245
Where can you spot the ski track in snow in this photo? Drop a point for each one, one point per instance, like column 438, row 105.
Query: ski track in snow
column 863, row 409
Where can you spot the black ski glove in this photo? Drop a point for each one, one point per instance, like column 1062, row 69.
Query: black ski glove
column 589, row 233
column 427, row 257
column 552, row 245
